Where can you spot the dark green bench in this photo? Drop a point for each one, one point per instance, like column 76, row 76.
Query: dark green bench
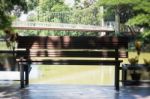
column 44, row 50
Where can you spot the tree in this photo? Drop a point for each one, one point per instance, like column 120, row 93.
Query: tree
column 51, row 6
column 142, row 18
column 86, row 12
column 9, row 9
column 57, row 11
column 32, row 4
column 132, row 13
column 46, row 10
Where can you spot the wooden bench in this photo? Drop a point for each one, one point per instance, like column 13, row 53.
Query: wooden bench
column 45, row 50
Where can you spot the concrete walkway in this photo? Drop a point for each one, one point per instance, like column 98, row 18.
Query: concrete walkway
column 43, row 91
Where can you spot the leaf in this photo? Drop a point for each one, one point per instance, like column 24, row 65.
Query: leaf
column 140, row 19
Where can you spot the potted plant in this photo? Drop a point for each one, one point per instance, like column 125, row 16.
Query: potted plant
column 147, row 64
column 134, row 72
column 7, row 59
column 10, row 38
column 135, row 68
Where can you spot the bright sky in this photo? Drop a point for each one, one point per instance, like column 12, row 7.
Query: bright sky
column 69, row 2
column 23, row 17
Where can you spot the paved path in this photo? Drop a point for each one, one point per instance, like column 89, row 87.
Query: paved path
column 43, row 91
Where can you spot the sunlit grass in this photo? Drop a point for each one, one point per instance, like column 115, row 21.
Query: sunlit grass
column 74, row 75
column 97, row 75
column 143, row 55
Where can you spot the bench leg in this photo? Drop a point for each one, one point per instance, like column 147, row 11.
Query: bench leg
column 124, row 77
column 27, row 75
column 117, row 77
column 22, row 76
column 27, row 71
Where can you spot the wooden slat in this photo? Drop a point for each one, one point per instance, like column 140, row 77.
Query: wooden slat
column 59, row 53
column 66, row 42
column 72, row 46
column 72, row 62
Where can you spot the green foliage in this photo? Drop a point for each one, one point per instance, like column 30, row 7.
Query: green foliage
column 7, row 7
column 59, row 7
column 132, row 13
column 57, row 11
column 32, row 4
column 140, row 20
column 45, row 6
column 117, row 2
column 44, row 9
column 55, row 33
column 146, row 37
column 5, row 20
column 90, row 15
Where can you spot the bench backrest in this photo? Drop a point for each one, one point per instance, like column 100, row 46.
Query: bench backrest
column 65, row 46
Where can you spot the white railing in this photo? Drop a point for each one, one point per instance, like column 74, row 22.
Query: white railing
column 59, row 26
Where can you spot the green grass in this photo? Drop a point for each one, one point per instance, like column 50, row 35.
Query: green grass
column 3, row 45
column 74, row 75
column 97, row 75
column 143, row 55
